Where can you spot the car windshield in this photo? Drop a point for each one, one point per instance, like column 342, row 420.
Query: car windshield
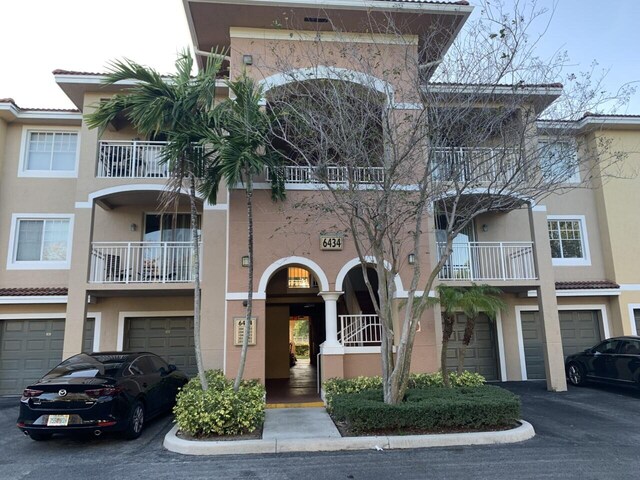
column 85, row 366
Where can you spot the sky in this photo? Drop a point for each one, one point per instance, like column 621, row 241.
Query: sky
column 84, row 35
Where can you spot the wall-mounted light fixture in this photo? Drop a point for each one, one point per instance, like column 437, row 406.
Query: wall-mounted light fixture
column 411, row 258
column 245, row 261
column 133, row 227
column 485, row 227
column 247, row 59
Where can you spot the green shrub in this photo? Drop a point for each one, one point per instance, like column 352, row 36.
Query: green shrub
column 428, row 409
column 302, row 351
column 339, row 386
column 219, row 410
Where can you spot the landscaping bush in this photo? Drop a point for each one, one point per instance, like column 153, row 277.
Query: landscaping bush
column 302, row 351
column 428, row 409
column 219, row 410
column 339, row 386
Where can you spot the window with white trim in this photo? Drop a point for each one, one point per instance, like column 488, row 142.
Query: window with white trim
column 50, row 153
column 567, row 238
column 559, row 161
column 40, row 243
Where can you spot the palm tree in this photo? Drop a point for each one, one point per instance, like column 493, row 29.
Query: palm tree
column 475, row 300
column 180, row 108
column 243, row 150
column 450, row 299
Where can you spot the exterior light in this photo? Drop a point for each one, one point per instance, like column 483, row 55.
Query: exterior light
column 411, row 258
column 245, row 261
column 485, row 227
column 133, row 227
column 247, row 59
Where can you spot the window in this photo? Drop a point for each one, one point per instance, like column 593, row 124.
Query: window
column 300, row 278
column 559, row 162
column 568, row 240
column 607, row 347
column 50, row 153
column 40, row 242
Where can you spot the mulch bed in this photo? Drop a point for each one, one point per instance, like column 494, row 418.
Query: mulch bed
column 255, row 435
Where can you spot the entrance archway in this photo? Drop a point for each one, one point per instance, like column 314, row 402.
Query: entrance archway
column 290, row 349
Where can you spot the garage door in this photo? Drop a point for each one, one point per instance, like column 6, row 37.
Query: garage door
column 28, row 350
column 481, row 355
column 169, row 337
column 580, row 329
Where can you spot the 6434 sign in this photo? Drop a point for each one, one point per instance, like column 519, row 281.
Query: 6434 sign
column 331, row 242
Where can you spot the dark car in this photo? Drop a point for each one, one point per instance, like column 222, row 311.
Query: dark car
column 616, row 360
column 111, row 391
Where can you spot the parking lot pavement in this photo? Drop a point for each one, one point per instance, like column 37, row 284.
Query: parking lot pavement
column 585, row 433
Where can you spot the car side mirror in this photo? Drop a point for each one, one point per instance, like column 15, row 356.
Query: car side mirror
column 172, row 368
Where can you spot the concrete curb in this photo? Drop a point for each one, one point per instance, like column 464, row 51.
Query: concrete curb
column 236, row 447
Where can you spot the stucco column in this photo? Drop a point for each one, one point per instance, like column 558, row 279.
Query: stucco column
column 78, row 276
column 331, row 322
column 547, row 302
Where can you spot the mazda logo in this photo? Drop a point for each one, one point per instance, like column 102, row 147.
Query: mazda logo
column 62, row 392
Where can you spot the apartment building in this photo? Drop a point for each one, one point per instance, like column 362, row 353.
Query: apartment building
column 93, row 263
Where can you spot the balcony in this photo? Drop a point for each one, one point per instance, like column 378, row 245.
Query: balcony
column 488, row 261
column 477, row 165
column 131, row 159
column 141, row 262
column 330, row 174
column 359, row 330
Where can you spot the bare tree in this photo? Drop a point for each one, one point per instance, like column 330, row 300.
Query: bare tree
column 399, row 151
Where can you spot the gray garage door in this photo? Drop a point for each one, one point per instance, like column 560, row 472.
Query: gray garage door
column 481, row 355
column 87, row 338
column 636, row 314
column 169, row 337
column 28, row 349
column 580, row 329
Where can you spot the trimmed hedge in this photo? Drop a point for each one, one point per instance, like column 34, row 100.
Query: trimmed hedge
column 219, row 410
column 339, row 386
column 428, row 409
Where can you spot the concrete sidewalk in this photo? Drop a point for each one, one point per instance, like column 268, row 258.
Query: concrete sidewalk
column 312, row 430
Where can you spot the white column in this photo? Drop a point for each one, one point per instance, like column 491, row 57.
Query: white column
column 331, row 321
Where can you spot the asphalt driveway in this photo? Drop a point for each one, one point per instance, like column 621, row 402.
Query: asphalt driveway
column 586, row 433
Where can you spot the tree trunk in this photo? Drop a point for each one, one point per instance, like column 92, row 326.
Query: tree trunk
column 247, row 324
column 447, row 330
column 195, row 239
column 466, row 340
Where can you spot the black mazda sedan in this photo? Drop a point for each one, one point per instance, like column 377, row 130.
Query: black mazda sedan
column 110, row 391
column 616, row 360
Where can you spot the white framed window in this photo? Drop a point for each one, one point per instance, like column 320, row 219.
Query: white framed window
column 568, row 240
column 559, row 161
column 40, row 242
column 49, row 152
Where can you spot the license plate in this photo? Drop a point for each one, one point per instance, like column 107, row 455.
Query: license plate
column 58, row 421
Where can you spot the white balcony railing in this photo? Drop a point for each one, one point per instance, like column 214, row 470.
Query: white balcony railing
column 474, row 261
column 477, row 164
column 141, row 262
column 331, row 174
column 131, row 159
column 359, row 330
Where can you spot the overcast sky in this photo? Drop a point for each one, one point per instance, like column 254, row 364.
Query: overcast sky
column 38, row 36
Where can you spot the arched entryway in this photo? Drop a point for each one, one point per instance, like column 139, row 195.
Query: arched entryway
column 358, row 324
column 295, row 328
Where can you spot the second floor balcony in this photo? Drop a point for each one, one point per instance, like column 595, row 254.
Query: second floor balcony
column 332, row 174
column 131, row 159
column 477, row 165
column 141, row 262
column 488, row 261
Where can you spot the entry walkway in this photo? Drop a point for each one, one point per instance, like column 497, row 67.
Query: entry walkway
column 289, row 423
column 301, row 387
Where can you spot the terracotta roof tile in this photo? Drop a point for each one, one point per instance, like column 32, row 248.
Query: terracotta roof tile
column 586, row 285
column 32, row 291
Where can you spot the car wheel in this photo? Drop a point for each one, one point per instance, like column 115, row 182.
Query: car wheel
column 575, row 373
column 40, row 436
column 136, row 421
